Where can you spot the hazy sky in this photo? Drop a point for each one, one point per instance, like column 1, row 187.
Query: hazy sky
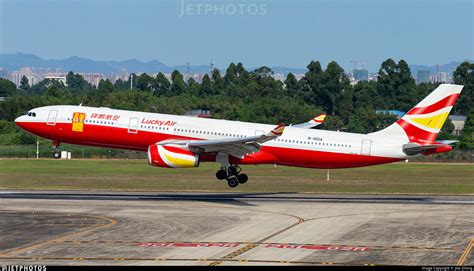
column 273, row 33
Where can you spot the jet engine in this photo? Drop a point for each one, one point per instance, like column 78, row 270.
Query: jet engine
column 170, row 156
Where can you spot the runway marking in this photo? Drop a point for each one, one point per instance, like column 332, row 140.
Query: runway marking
column 268, row 245
column 175, row 259
column 466, row 252
column 248, row 247
column 235, row 244
column 170, row 244
column 318, row 247
column 61, row 238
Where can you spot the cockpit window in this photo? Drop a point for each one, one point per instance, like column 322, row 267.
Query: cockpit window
column 32, row 114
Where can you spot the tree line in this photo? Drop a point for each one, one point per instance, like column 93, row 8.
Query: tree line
column 240, row 94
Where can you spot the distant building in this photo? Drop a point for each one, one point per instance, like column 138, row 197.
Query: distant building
column 200, row 113
column 298, row 76
column 93, row 78
column 124, row 75
column 360, row 74
column 396, row 113
column 168, row 76
column 373, row 76
column 4, row 73
column 32, row 79
column 279, row 76
column 442, row 77
column 16, row 76
column 458, row 122
column 57, row 78
column 422, row 76
column 197, row 77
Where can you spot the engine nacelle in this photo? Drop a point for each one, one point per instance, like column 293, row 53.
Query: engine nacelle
column 171, row 157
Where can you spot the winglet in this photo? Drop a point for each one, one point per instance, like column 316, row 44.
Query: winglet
column 318, row 119
column 277, row 131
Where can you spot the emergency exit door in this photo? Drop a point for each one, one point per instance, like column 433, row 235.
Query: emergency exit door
column 133, row 126
column 365, row 149
column 53, row 114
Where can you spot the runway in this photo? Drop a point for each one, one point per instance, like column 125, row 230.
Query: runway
column 120, row 228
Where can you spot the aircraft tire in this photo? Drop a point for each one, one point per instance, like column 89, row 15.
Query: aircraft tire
column 243, row 178
column 221, row 174
column 233, row 181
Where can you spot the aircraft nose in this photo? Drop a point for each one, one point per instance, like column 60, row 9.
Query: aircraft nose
column 20, row 121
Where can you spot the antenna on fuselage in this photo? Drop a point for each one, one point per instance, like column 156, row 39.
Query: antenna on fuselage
column 80, row 104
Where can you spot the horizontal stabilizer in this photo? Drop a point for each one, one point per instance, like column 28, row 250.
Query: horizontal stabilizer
column 413, row 148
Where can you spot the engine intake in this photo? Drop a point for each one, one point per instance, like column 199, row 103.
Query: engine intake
column 171, row 157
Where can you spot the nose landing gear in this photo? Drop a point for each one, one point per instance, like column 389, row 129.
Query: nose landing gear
column 56, row 151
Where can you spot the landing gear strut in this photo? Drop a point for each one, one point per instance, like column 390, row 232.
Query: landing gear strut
column 232, row 175
column 57, row 152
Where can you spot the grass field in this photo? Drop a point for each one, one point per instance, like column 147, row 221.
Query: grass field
column 136, row 175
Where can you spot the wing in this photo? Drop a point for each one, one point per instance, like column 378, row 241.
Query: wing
column 237, row 147
column 312, row 123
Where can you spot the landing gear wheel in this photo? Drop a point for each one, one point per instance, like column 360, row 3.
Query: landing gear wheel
column 221, row 174
column 243, row 178
column 233, row 181
column 57, row 152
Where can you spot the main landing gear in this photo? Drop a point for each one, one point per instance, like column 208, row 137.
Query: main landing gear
column 232, row 175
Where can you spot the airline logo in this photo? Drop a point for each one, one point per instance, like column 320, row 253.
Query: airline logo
column 278, row 131
column 78, row 121
column 159, row 122
column 319, row 118
column 105, row 116
column 423, row 122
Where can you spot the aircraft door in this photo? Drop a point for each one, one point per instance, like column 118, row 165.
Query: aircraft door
column 133, row 126
column 53, row 114
column 365, row 149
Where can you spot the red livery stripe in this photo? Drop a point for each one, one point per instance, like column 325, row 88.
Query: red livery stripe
column 155, row 157
column 447, row 101
column 416, row 134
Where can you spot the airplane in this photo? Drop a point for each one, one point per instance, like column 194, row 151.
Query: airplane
column 173, row 141
column 318, row 120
